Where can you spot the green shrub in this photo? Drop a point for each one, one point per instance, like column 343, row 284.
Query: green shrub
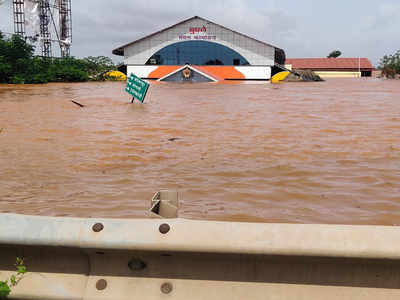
column 17, row 80
column 68, row 74
column 39, row 78
column 4, row 289
column 5, row 286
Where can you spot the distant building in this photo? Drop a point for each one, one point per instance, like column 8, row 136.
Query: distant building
column 333, row 67
column 199, row 49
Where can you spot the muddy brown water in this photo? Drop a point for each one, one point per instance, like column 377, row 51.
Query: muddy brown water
column 294, row 152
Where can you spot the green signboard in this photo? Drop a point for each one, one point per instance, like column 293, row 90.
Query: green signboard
column 137, row 87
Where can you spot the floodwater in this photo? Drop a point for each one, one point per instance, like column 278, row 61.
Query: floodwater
column 293, row 152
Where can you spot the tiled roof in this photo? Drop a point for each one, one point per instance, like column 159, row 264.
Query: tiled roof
column 329, row 63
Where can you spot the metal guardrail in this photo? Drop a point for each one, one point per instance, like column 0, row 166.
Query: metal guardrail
column 70, row 258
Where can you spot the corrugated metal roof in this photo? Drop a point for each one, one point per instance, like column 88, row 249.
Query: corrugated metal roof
column 120, row 50
column 329, row 63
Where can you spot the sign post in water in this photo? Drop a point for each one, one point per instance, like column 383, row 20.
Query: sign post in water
column 137, row 88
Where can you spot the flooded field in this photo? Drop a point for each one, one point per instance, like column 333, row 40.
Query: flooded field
column 295, row 152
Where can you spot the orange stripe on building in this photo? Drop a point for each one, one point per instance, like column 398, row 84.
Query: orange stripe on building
column 161, row 71
column 223, row 72
column 207, row 72
column 218, row 72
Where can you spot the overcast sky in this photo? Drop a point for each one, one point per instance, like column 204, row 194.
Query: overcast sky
column 307, row 28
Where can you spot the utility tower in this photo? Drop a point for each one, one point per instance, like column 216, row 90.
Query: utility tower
column 19, row 17
column 48, row 21
column 45, row 35
column 65, row 22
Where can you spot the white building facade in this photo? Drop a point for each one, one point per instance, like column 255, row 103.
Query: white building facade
column 196, row 41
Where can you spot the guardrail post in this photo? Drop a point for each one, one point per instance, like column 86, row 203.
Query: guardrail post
column 165, row 205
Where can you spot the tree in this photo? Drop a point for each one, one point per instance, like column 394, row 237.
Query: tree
column 390, row 65
column 334, row 54
column 97, row 66
column 5, row 66
column 68, row 69
column 19, row 65
column 15, row 55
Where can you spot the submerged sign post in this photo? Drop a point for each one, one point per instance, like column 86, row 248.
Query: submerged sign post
column 137, row 87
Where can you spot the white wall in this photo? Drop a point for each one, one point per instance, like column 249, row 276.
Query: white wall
column 141, row 71
column 255, row 72
column 249, row 72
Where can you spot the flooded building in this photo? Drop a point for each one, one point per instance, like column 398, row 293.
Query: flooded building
column 333, row 67
column 200, row 50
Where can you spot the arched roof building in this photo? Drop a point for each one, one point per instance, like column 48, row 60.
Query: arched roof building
column 206, row 46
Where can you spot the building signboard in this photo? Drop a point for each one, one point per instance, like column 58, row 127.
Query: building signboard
column 194, row 30
column 137, row 87
column 197, row 33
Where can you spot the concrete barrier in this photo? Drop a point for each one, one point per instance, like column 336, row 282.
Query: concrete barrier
column 70, row 258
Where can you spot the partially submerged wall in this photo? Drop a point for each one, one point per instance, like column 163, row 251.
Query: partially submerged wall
column 222, row 72
column 332, row 74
